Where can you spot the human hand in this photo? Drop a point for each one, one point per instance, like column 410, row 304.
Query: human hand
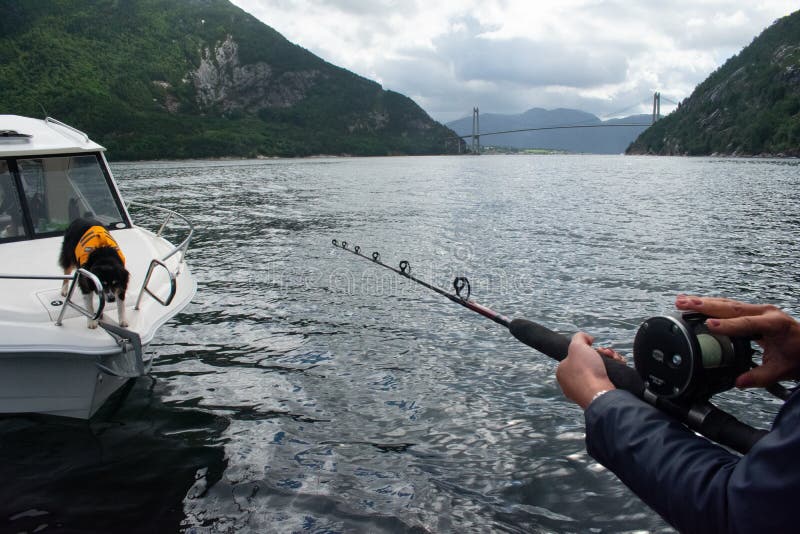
column 582, row 373
column 776, row 332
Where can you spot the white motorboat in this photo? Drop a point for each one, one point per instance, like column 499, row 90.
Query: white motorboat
column 50, row 361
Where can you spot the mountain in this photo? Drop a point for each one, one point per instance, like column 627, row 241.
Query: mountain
column 585, row 140
column 749, row 106
column 194, row 78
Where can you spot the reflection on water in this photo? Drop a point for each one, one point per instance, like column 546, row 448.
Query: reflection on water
column 127, row 470
column 306, row 390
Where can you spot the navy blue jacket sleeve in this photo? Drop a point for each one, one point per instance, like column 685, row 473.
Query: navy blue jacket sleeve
column 696, row 485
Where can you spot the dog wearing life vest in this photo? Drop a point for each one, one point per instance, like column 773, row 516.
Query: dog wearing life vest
column 88, row 245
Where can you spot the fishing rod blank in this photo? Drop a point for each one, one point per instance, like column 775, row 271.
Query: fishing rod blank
column 701, row 416
column 460, row 284
column 533, row 334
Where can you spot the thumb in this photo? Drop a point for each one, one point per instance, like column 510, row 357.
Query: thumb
column 761, row 376
column 583, row 338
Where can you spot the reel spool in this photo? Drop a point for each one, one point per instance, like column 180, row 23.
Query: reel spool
column 679, row 359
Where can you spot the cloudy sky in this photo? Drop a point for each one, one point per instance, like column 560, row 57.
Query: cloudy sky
column 606, row 57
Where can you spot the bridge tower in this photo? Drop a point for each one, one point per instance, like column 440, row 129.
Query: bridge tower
column 656, row 106
column 476, row 132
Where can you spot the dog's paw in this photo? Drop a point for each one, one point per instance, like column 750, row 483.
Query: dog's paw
column 124, row 324
column 64, row 291
column 92, row 324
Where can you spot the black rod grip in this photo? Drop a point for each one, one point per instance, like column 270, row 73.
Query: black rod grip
column 540, row 337
column 724, row 428
column 556, row 345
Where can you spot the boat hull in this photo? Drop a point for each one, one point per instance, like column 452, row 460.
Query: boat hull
column 62, row 384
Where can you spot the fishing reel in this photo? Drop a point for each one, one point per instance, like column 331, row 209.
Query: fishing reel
column 679, row 359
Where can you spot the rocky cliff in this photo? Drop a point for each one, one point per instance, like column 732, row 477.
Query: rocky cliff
column 222, row 82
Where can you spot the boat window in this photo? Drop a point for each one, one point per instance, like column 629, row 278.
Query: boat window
column 11, row 226
column 62, row 188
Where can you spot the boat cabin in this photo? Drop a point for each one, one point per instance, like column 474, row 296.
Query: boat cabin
column 51, row 174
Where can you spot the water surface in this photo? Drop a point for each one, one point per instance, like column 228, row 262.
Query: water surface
column 307, row 390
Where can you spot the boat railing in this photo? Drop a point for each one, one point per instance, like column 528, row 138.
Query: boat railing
column 173, row 285
column 68, row 302
column 178, row 250
column 51, row 120
column 98, row 287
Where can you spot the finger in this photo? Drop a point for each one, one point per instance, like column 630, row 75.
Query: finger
column 611, row 353
column 719, row 307
column 707, row 305
column 750, row 325
column 687, row 302
column 763, row 375
column 616, row 356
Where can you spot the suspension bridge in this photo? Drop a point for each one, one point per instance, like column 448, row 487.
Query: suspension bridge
column 475, row 136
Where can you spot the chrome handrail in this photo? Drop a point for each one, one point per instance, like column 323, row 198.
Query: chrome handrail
column 68, row 302
column 173, row 286
column 35, row 277
column 98, row 286
column 181, row 248
column 68, row 127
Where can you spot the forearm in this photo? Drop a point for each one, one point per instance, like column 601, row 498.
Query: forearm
column 680, row 475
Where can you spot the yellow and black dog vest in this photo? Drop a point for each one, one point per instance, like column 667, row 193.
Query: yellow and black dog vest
column 94, row 238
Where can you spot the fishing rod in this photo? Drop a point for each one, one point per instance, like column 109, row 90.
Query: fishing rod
column 679, row 365
column 460, row 284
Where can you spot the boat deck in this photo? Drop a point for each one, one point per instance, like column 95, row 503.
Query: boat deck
column 30, row 307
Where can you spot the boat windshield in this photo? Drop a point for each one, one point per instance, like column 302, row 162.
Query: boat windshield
column 58, row 189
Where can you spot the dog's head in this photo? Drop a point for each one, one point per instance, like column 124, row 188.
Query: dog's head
column 107, row 266
column 114, row 278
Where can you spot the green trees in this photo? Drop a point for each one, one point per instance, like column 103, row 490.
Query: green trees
column 749, row 106
column 122, row 72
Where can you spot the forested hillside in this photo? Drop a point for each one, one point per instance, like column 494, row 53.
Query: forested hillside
column 194, row 78
column 749, row 106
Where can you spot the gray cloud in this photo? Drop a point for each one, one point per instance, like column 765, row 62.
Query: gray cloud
column 531, row 63
column 368, row 7
column 508, row 56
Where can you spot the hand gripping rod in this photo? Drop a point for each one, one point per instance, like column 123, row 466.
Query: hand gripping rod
column 704, row 418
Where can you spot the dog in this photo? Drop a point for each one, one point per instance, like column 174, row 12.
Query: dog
column 88, row 245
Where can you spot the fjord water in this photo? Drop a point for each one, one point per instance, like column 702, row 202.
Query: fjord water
column 307, row 390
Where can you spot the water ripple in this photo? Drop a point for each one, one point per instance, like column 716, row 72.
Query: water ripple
column 306, row 390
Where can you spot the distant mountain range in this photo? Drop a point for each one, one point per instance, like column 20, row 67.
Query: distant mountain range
column 195, row 78
column 748, row 106
column 595, row 140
